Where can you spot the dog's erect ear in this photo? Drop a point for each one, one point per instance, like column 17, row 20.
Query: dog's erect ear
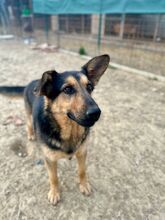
column 95, row 67
column 45, row 84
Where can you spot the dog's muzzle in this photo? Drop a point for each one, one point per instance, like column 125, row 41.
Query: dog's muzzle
column 91, row 116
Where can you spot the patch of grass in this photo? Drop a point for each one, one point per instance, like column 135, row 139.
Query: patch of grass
column 154, row 78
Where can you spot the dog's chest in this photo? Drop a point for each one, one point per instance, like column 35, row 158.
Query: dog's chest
column 72, row 133
column 71, row 138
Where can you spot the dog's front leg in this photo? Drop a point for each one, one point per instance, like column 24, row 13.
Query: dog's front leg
column 53, row 195
column 81, row 159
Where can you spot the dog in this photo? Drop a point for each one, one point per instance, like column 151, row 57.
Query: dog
column 60, row 112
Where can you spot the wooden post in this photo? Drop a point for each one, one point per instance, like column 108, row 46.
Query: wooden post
column 122, row 26
column 82, row 24
column 54, row 23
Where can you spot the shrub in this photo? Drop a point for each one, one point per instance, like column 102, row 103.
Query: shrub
column 82, row 51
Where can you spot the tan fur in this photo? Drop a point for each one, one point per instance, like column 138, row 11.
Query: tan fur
column 55, row 155
column 71, row 132
column 83, row 181
column 71, row 80
column 51, row 158
column 46, row 102
column 53, row 195
column 83, row 79
column 30, row 132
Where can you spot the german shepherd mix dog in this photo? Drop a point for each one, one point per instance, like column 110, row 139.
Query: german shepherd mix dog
column 60, row 112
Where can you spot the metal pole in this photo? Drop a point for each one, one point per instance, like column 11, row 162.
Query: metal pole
column 122, row 23
column 46, row 29
column 157, row 25
column 99, row 34
column 99, row 29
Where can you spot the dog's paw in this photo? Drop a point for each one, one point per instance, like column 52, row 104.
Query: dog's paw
column 53, row 197
column 31, row 137
column 85, row 188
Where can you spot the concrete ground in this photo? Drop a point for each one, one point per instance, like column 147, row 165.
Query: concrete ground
column 125, row 150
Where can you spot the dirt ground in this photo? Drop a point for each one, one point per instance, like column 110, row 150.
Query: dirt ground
column 125, row 150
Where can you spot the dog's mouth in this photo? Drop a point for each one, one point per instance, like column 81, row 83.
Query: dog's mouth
column 84, row 123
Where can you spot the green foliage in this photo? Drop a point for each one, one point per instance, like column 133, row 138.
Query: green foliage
column 82, row 51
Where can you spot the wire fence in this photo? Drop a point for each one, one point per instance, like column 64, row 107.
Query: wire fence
column 135, row 40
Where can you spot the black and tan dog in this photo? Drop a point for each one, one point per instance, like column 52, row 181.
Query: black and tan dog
column 60, row 112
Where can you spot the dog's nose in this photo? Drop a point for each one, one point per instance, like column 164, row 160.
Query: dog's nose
column 93, row 113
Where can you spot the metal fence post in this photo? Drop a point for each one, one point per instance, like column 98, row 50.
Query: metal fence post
column 99, row 28
column 157, row 27
column 46, row 29
column 99, row 34
column 122, row 26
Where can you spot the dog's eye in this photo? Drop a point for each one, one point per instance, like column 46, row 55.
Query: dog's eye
column 90, row 87
column 69, row 90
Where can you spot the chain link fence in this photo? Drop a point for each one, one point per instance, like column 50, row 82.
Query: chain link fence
column 134, row 40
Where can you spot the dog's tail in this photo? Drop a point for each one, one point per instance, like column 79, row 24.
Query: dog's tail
column 12, row 91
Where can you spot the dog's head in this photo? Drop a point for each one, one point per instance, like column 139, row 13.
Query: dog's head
column 70, row 92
